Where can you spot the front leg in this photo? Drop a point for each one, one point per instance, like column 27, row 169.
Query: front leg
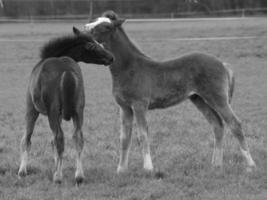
column 140, row 114
column 126, row 115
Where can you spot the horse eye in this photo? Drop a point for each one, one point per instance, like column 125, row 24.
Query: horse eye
column 108, row 28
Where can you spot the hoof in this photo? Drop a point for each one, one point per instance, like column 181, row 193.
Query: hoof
column 57, row 179
column 159, row 175
column 79, row 180
column 148, row 167
column 22, row 173
column 251, row 169
column 216, row 165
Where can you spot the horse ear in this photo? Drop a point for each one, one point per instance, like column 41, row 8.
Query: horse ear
column 119, row 22
column 111, row 15
column 76, row 31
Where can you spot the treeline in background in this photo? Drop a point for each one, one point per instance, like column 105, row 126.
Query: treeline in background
column 130, row 8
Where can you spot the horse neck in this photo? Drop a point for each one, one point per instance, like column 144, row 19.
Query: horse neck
column 72, row 53
column 124, row 51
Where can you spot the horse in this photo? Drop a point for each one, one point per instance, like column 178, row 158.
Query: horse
column 56, row 89
column 141, row 84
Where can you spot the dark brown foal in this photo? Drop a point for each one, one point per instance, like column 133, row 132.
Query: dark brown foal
column 56, row 89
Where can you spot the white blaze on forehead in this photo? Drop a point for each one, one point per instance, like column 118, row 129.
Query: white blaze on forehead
column 90, row 26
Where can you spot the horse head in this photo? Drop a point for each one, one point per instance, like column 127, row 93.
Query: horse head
column 104, row 27
column 91, row 50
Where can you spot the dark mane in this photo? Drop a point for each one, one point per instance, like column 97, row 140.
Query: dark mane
column 57, row 46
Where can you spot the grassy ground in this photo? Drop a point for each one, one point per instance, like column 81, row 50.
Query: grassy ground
column 182, row 141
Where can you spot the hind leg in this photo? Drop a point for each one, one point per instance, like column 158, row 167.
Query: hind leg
column 218, row 128
column 78, row 142
column 236, row 128
column 25, row 145
column 54, row 122
column 221, row 105
column 53, row 143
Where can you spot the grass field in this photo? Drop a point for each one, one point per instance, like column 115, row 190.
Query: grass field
column 182, row 141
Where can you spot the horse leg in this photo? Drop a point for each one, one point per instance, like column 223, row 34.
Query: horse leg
column 25, row 145
column 53, row 143
column 218, row 128
column 140, row 114
column 126, row 115
column 78, row 143
column 226, row 112
column 236, row 127
column 54, row 122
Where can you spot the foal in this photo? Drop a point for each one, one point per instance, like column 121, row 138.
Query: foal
column 56, row 89
column 141, row 84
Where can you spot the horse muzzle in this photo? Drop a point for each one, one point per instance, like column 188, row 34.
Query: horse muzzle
column 108, row 61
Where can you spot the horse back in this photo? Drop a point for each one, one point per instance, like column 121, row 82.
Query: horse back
column 196, row 70
column 204, row 75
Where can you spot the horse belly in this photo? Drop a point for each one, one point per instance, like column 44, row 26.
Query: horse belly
column 166, row 101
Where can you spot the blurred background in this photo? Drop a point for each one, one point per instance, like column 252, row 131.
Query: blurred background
column 82, row 9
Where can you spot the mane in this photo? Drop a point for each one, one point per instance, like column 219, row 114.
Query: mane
column 57, row 47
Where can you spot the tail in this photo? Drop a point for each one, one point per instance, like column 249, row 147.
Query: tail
column 68, row 86
column 231, row 79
